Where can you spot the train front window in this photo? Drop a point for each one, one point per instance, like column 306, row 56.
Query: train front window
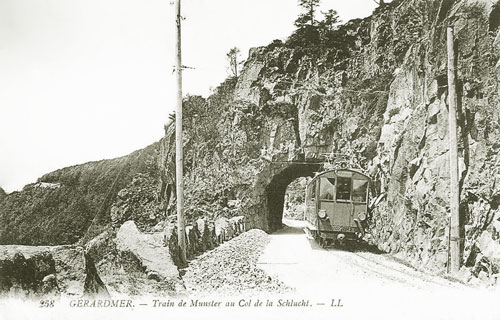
column 359, row 188
column 343, row 188
column 327, row 189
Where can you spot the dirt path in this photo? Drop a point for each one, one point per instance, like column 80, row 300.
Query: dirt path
column 369, row 284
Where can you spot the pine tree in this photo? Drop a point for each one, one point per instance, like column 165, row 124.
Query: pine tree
column 233, row 57
column 330, row 21
column 308, row 17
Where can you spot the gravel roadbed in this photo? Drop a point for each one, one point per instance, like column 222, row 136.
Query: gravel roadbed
column 231, row 269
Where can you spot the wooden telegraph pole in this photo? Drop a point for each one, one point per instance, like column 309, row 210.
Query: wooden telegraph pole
column 454, row 187
column 179, row 179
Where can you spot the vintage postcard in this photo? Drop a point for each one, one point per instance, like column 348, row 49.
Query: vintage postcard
column 226, row 159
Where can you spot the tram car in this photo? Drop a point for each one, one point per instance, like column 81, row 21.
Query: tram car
column 337, row 206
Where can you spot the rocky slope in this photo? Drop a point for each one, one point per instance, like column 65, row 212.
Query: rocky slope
column 60, row 207
column 382, row 100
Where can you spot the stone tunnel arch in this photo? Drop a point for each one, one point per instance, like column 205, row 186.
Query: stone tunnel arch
column 275, row 191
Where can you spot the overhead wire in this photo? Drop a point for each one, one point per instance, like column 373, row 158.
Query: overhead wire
column 103, row 202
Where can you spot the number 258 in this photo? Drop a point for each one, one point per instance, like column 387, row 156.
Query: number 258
column 46, row 303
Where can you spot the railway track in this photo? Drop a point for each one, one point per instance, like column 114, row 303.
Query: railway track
column 370, row 283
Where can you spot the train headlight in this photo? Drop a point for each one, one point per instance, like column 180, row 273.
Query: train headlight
column 361, row 217
column 322, row 214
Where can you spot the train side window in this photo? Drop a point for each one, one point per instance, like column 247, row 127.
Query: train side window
column 326, row 188
column 343, row 188
column 359, row 188
column 312, row 191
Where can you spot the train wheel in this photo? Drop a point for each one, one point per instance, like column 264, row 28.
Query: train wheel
column 333, row 243
column 323, row 242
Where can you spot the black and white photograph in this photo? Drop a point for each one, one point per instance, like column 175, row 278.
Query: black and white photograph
column 250, row 159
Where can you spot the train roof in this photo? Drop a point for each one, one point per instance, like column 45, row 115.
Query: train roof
column 319, row 174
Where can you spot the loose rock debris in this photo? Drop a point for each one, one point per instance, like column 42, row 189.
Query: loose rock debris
column 231, row 269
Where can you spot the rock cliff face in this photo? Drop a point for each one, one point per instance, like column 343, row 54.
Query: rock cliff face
column 383, row 102
column 412, row 161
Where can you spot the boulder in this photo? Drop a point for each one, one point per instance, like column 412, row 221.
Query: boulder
column 100, row 246
column 133, row 263
column 148, row 249
column 489, row 247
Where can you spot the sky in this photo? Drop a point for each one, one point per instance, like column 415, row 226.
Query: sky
column 85, row 80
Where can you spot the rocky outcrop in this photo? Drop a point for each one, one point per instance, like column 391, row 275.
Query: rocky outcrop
column 131, row 263
column 383, row 104
column 3, row 194
column 138, row 202
column 31, row 275
column 412, row 162
column 36, row 271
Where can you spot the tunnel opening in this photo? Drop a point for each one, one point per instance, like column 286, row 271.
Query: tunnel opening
column 294, row 207
column 276, row 190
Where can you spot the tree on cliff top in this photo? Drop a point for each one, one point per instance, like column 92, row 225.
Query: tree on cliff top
column 233, row 56
column 307, row 32
column 330, row 21
column 311, row 32
column 307, row 18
